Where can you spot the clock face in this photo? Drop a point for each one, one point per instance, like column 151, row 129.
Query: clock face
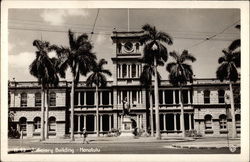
column 128, row 47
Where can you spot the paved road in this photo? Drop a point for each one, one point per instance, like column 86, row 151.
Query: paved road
column 117, row 148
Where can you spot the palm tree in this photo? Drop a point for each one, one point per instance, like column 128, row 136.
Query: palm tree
column 98, row 78
column 146, row 80
column 179, row 74
column 234, row 46
column 44, row 69
column 228, row 71
column 156, row 51
column 236, row 43
column 79, row 58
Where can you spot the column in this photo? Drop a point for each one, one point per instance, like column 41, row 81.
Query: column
column 110, row 103
column 127, row 71
column 164, row 122
column 140, row 117
column 163, row 97
column 130, row 70
column 79, row 98
column 85, row 98
column 190, row 124
column 121, row 71
column 79, row 121
column 128, row 97
column 137, row 97
column 139, row 69
column 110, row 122
column 131, row 98
column 95, row 97
column 100, row 123
column 136, row 71
column 95, row 124
column 137, row 121
column 174, row 102
column 118, row 71
column 121, row 96
column 100, row 98
column 174, row 122
column 84, row 121
column 189, row 96
column 179, row 96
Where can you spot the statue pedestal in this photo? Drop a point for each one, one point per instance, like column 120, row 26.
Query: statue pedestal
column 126, row 129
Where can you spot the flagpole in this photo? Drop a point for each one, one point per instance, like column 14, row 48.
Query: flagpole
column 128, row 19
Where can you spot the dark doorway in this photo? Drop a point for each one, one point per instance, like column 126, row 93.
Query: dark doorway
column 105, row 122
column 90, row 123
column 170, row 121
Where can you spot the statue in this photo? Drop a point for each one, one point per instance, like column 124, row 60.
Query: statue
column 126, row 108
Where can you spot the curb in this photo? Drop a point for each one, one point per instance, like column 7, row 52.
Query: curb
column 201, row 147
column 118, row 141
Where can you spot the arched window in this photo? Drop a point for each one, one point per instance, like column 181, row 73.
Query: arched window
column 22, row 124
column 221, row 94
column 9, row 99
column 223, row 121
column 133, row 70
column 38, row 99
column 124, row 70
column 208, row 122
column 237, row 121
column 52, row 99
column 119, row 47
column 206, row 96
column 37, row 124
column 23, row 99
column 52, row 124
column 137, row 46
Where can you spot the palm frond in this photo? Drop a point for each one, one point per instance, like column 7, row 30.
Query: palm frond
column 234, row 45
column 164, row 37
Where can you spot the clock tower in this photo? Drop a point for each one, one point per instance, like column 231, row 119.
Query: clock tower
column 126, row 73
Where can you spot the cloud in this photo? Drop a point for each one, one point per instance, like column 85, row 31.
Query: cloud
column 101, row 38
column 21, row 60
column 57, row 17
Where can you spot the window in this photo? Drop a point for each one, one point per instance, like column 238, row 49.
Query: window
column 208, row 122
column 124, row 70
column 137, row 45
column 52, row 124
column 223, row 121
column 237, row 121
column 52, row 98
column 133, row 71
column 128, row 47
column 9, row 99
column 23, row 124
column 119, row 47
column 23, row 99
column 37, row 124
column 206, row 96
column 38, row 99
column 221, row 94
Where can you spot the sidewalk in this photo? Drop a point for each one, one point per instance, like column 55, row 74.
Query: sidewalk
column 99, row 140
column 217, row 143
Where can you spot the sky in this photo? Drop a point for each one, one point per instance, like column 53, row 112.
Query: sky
column 188, row 27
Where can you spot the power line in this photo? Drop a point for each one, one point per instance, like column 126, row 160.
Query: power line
column 211, row 37
column 92, row 32
column 101, row 33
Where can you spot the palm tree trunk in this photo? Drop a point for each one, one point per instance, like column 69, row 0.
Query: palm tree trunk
column 157, row 117
column 72, row 109
column 234, row 134
column 46, row 113
column 151, row 112
column 42, row 114
column 182, row 114
column 97, row 111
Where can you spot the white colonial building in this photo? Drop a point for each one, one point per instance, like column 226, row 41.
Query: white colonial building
column 206, row 106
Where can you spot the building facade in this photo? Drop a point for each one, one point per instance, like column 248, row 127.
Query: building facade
column 206, row 105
